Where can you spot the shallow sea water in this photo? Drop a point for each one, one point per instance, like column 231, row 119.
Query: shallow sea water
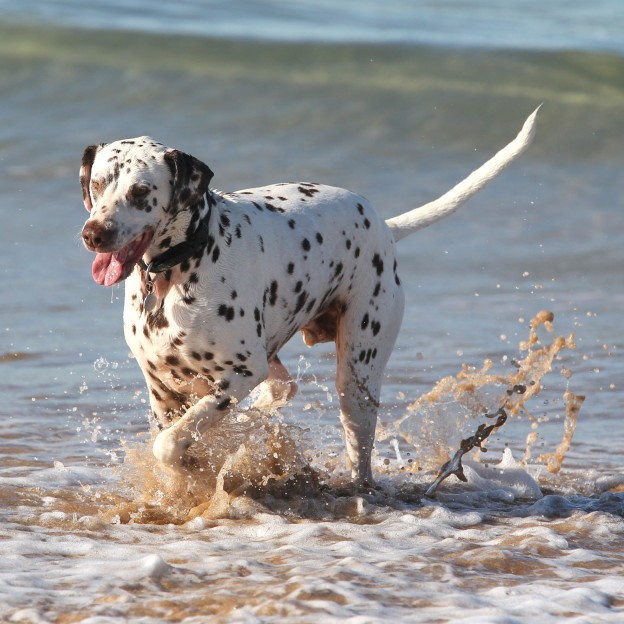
column 270, row 530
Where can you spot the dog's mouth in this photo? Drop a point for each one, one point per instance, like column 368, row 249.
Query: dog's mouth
column 110, row 268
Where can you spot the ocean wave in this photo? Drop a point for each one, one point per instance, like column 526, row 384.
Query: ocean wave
column 425, row 93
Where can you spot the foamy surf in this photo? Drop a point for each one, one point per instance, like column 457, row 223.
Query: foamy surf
column 495, row 557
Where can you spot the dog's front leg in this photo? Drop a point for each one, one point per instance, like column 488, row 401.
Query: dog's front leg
column 171, row 444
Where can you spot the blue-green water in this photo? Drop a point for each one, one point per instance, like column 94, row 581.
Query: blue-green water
column 397, row 104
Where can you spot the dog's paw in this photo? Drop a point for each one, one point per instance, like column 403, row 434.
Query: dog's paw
column 169, row 449
column 274, row 393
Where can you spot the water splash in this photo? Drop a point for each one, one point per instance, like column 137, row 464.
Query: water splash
column 251, row 455
column 436, row 421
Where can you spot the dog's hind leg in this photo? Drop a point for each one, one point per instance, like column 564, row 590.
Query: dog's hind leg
column 364, row 342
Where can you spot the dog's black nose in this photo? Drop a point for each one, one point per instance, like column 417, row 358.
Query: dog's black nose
column 97, row 236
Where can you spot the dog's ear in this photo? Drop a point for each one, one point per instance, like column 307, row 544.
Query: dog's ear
column 85, row 172
column 191, row 178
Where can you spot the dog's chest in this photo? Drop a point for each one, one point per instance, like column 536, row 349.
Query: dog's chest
column 164, row 341
column 191, row 339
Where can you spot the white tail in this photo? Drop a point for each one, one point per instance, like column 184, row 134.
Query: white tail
column 446, row 205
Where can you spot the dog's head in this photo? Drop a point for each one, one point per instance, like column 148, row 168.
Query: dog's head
column 131, row 188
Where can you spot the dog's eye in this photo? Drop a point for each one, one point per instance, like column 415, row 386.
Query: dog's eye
column 139, row 190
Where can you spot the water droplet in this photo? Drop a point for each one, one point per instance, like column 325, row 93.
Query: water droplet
column 101, row 364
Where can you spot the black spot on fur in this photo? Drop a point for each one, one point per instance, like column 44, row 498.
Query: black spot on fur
column 273, row 293
column 301, row 299
column 365, row 321
column 209, row 243
column 158, row 319
column 396, row 275
column 378, row 264
column 226, row 312
column 308, row 192
column 224, row 404
column 273, row 208
column 242, row 370
column 305, row 244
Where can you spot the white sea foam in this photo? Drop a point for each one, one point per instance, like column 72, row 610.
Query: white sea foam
column 456, row 559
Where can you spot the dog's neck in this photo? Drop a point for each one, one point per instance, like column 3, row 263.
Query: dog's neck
column 182, row 237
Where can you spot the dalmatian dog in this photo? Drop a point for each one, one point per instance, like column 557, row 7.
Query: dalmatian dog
column 217, row 283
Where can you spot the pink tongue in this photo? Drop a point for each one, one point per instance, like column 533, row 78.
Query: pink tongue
column 111, row 267
column 106, row 269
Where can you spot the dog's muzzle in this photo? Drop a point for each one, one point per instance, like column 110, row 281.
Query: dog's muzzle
column 99, row 236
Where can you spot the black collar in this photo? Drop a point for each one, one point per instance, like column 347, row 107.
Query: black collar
column 180, row 252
